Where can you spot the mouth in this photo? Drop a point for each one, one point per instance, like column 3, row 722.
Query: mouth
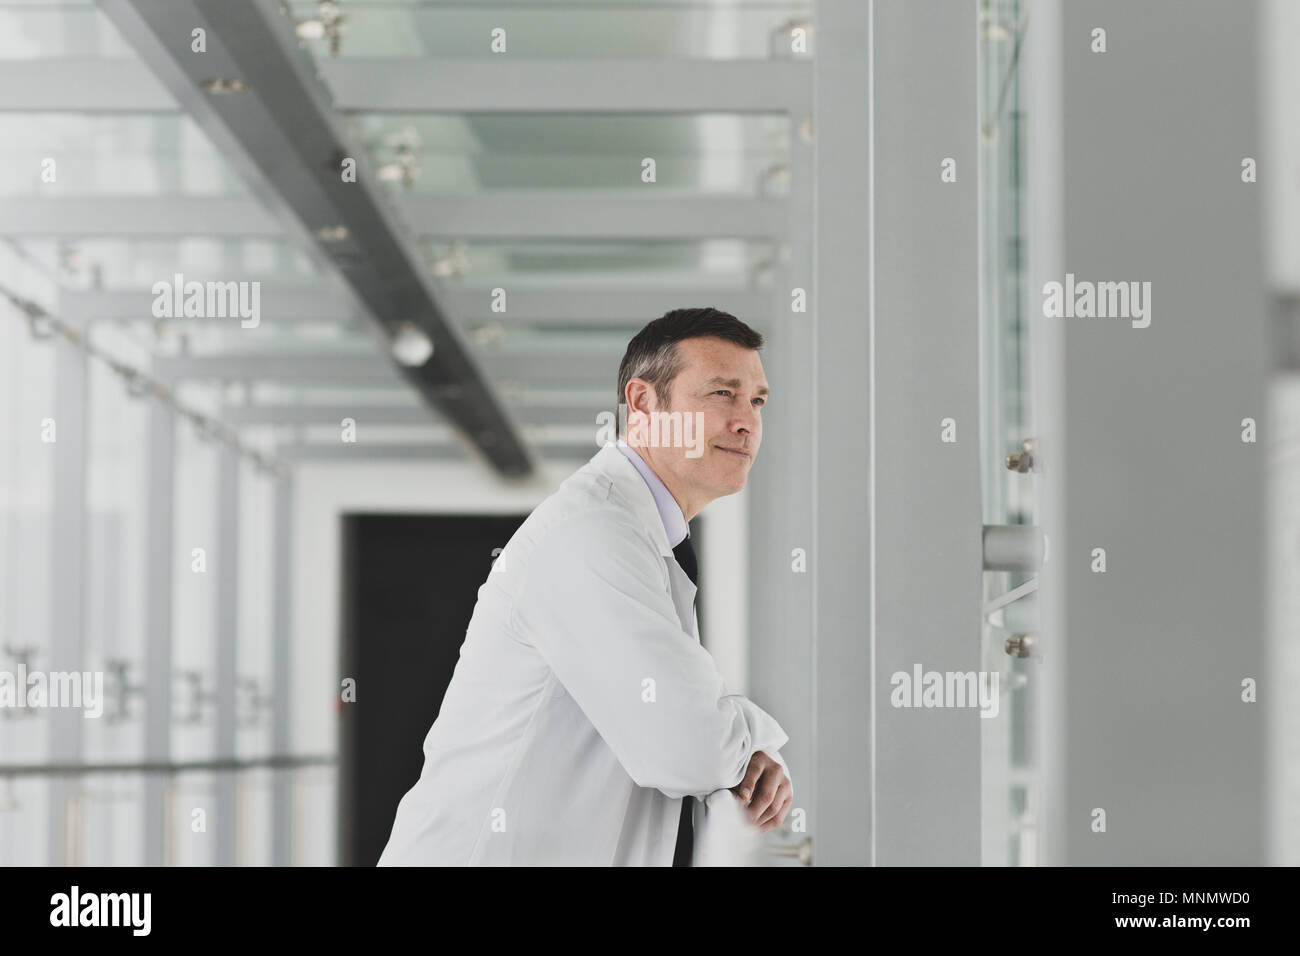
column 735, row 451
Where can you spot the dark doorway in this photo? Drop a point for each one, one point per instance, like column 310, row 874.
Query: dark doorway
column 409, row 586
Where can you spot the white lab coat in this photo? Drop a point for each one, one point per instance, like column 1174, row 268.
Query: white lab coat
column 583, row 707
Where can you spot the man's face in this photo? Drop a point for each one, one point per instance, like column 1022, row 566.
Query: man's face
column 723, row 383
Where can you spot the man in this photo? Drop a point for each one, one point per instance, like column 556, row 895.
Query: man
column 584, row 719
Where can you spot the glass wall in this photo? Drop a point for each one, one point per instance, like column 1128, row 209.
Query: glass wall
column 1007, row 429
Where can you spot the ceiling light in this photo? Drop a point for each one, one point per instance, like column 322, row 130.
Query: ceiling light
column 220, row 85
column 411, row 347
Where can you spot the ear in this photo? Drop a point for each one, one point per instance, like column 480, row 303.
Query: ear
column 640, row 399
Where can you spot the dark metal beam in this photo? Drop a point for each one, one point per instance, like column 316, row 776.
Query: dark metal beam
column 281, row 132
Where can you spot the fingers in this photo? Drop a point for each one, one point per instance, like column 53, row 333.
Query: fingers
column 752, row 773
column 765, row 793
column 772, row 824
column 768, row 793
column 779, row 807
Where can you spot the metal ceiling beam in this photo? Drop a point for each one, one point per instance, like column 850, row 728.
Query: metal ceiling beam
column 587, row 85
column 90, row 85
column 343, row 369
column 612, row 308
column 91, row 217
column 492, row 215
column 576, row 370
column 284, row 136
column 285, row 414
column 451, row 85
column 617, row 308
column 523, row 214
column 362, row 452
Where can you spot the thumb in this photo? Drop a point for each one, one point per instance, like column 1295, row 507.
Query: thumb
column 746, row 786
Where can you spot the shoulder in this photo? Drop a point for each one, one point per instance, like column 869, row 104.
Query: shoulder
column 578, row 563
column 594, row 536
column 599, row 528
column 588, row 523
column 588, row 505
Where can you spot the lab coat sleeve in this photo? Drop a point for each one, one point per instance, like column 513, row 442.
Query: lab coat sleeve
column 595, row 604
column 775, row 755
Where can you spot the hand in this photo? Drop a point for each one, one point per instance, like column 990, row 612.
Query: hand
column 768, row 791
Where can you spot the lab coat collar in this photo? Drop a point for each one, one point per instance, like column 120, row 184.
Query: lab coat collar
column 629, row 484
column 670, row 512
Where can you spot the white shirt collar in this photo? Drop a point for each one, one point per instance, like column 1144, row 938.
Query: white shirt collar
column 670, row 512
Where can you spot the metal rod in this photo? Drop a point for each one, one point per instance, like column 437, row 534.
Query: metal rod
column 1013, row 547
column 163, row 766
column 1015, row 594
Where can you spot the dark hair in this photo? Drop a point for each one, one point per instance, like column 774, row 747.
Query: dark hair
column 652, row 353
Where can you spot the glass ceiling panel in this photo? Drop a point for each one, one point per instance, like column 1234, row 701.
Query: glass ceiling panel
column 139, row 263
column 53, row 29
column 542, row 342
column 702, row 154
column 98, row 155
column 708, row 263
column 272, row 393
column 421, row 28
column 160, row 155
column 227, row 337
column 212, row 337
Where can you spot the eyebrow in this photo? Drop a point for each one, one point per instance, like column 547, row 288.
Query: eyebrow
column 735, row 383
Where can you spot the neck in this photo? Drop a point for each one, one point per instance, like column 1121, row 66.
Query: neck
column 689, row 507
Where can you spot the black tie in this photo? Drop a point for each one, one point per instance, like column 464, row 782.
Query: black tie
column 685, row 555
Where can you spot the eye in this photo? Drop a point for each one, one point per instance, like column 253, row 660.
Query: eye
column 722, row 391
column 761, row 401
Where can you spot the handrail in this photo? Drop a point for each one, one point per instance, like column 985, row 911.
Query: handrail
column 284, row 762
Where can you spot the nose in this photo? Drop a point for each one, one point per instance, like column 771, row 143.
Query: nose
column 746, row 422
